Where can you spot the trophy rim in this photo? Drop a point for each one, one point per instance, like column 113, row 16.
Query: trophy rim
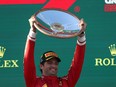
column 45, row 30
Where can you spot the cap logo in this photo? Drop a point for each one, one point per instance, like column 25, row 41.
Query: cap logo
column 50, row 54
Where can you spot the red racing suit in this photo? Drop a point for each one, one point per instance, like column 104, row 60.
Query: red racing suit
column 52, row 81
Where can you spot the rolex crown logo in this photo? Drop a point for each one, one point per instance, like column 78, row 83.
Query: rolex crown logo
column 112, row 49
column 2, row 51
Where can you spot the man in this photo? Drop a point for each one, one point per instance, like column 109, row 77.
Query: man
column 49, row 63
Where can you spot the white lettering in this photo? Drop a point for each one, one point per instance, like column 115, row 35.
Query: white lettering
column 110, row 1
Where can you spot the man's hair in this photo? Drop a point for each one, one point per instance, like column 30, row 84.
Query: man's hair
column 41, row 69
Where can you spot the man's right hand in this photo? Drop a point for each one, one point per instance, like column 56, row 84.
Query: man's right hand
column 32, row 21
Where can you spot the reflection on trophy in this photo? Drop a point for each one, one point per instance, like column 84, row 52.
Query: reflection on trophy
column 57, row 23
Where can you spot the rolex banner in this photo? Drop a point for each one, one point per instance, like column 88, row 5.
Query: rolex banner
column 99, row 67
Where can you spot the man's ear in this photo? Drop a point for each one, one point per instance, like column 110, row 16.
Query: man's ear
column 41, row 66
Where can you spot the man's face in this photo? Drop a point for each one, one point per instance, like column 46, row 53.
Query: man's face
column 50, row 68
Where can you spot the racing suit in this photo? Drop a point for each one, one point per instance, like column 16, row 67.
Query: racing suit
column 52, row 81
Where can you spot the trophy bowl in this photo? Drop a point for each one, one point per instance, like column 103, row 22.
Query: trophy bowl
column 57, row 23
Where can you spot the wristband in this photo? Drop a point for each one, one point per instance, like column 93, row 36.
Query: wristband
column 32, row 35
column 81, row 40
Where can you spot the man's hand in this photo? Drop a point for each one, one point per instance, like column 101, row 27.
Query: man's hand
column 82, row 26
column 32, row 21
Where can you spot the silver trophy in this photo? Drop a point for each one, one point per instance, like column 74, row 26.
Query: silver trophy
column 57, row 23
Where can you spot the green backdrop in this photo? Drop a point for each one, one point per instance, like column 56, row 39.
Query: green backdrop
column 100, row 34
